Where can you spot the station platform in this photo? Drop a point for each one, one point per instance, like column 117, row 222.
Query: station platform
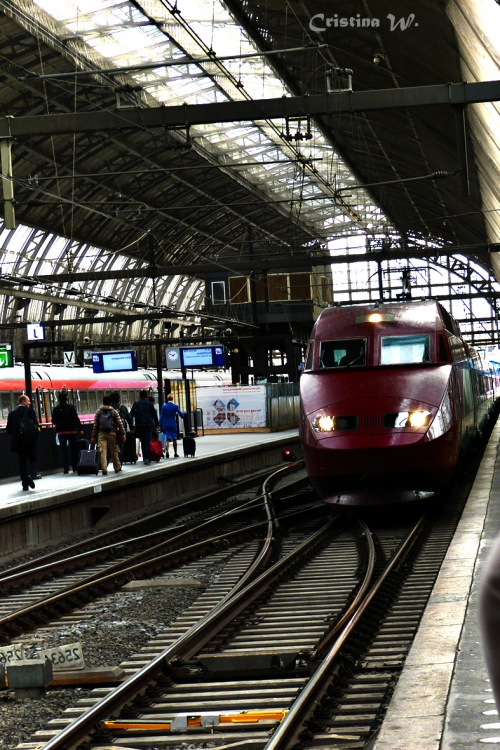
column 443, row 699
column 65, row 503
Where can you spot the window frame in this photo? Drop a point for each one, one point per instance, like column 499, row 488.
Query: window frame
column 401, row 336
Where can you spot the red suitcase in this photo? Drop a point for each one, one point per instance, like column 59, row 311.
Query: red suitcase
column 155, row 449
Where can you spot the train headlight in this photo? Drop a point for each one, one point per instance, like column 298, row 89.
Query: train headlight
column 327, row 423
column 417, row 418
column 324, row 424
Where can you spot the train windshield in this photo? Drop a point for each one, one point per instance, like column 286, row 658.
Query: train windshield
column 404, row 350
column 342, row 353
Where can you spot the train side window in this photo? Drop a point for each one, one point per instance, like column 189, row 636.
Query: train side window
column 309, row 358
column 6, row 404
column 84, row 402
column 404, row 350
column 92, row 401
column 342, row 353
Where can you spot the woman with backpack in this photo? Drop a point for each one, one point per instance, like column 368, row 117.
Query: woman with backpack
column 107, row 425
column 67, row 424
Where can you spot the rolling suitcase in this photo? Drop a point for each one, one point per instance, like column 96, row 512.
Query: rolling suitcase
column 189, row 446
column 129, row 449
column 89, row 461
column 155, row 449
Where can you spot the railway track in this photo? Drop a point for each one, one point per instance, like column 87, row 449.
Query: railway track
column 136, row 556
column 274, row 659
column 230, row 642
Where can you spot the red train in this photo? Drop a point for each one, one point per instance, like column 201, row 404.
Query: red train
column 391, row 396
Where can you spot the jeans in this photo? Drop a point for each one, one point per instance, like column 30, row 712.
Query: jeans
column 64, row 442
column 145, row 434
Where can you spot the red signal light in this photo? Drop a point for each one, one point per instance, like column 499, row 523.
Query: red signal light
column 288, row 455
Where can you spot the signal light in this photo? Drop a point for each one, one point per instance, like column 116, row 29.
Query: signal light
column 288, row 455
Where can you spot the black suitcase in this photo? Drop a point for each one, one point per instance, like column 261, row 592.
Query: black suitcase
column 189, row 446
column 129, row 449
column 82, row 444
column 89, row 462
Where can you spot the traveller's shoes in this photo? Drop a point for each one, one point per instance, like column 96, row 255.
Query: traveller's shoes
column 147, row 463
column 176, row 455
column 66, row 472
column 30, row 482
column 166, row 455
column 105, row 473
column 25, row 487
column 38, row 476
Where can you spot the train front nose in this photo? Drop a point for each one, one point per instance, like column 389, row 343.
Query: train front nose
column 383, row 442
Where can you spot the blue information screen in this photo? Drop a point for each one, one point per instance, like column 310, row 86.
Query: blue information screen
column 202, row 356
column 114, row 361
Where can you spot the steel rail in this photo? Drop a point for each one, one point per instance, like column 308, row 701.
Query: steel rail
column 173, row 511
column 287, row 733
column 370, row 567
column 125, row 571
column 184, row 647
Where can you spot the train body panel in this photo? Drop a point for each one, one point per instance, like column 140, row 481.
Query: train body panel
column 390, row 397
column 86, row 388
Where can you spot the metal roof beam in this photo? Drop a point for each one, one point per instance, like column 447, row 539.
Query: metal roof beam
column 278, row 261
column 259, row 109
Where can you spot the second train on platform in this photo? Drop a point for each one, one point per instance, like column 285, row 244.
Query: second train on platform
column 391, row 397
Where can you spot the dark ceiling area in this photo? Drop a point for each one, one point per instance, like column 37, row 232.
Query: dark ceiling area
column 390, row 144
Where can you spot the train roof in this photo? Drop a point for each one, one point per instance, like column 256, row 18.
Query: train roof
column 425, row 315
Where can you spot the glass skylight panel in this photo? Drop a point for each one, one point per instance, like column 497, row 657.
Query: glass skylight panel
column 113, row 29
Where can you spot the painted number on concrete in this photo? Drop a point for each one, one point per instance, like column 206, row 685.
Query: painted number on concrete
column 11, row 653
column 65, row 657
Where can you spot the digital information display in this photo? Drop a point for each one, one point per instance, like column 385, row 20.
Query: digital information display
column 114, row 361
column 202, row 356
column 196, row 357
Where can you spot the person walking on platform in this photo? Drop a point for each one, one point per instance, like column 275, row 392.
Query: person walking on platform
column 168, row 424
column 145, row 420
column 22, row 426
column 67, row 424
column 124, row 416
column 107, row 424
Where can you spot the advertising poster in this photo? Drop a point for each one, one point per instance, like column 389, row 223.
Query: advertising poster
column 232, row 406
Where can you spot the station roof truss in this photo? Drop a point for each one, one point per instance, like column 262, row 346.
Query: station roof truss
column 90, row 201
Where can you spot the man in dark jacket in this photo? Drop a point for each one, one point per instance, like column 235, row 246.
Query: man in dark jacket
column 67, row 423
column 145, row 420
column 22, row 426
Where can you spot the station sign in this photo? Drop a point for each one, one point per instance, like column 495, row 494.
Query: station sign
column 124, row 361
column 195, row 357
column 35, row 332
column 6, row 356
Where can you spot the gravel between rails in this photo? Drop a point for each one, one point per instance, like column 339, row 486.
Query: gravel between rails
column 120, row 625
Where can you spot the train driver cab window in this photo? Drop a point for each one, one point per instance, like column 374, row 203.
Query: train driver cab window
column 342, row 353
column 404, row 350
